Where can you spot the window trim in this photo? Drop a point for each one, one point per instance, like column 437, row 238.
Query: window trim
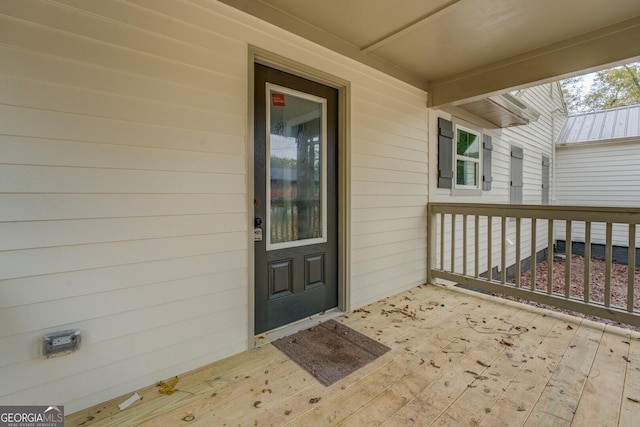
column 461, row 189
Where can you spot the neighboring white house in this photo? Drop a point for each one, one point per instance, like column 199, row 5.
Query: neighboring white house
column 127, row 183
column 598, row 159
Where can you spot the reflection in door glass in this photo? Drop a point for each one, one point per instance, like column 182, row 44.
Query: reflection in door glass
column 295, row 157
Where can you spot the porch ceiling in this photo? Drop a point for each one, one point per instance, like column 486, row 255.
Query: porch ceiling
column 461, row 50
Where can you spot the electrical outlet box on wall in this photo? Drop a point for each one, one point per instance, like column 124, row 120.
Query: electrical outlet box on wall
column 60, row 343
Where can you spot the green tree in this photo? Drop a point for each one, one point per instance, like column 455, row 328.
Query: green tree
column 611, row 88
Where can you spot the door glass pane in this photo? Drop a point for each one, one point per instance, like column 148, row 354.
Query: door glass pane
column 296, row 168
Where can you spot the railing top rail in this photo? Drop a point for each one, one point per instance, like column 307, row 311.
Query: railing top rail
column 623, row 215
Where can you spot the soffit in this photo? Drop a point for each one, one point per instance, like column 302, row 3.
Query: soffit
column 462, row 49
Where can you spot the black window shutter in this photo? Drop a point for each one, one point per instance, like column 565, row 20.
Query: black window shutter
column 517, row 156
column 545, row 180
column 445, row 153
column 487, row 148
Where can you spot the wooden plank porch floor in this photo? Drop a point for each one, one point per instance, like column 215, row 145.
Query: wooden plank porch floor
column 457, row 358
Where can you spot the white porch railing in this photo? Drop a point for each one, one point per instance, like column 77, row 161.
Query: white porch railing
column 476, row 245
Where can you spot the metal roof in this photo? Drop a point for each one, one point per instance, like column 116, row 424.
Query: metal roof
column 607, row 125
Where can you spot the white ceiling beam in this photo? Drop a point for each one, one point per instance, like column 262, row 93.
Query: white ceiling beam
column 609, row 45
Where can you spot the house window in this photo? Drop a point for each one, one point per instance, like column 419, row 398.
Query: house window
column 467, row 158
column 460, row 164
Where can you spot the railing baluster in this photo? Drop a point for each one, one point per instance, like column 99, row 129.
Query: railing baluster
column 464, row 244
column 608, row 256
column 567, row 260
column 442, row 217
column 503, row 250
column 518, row 272
column 432, row 239
column 476, row 246
column 453, row 243
column 550, row 256
column 587, row 260
column 631, row 266
column 489, row 238
column 534, row 234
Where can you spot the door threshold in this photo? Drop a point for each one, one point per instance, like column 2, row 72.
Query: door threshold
column 290, row 329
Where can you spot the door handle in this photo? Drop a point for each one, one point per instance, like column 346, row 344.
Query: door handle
column 257, row 222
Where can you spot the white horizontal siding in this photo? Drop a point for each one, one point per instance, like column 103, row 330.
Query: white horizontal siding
column 123, row 187
column 603, row 174
column 389, row 193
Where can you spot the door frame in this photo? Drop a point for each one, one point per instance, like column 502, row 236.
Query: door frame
column 264, row 57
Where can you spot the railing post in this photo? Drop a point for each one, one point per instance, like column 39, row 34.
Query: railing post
column 608, row 260
column 518, row 272
column 631, row 267
column 453, row 243
column 489, row 250
column 431, row 243
column 476, row 245
column 587, row 260
column 503, row 250
column 534, row 246
column 567, row 259
column 549, row 256
column 464, row 245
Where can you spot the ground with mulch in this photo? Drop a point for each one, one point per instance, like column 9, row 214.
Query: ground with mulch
column 619, row 275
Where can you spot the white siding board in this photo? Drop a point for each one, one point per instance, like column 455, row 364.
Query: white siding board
column 41, row 67
column 47, row 152
column 21, row 93
column 78, row 309
column 45, row 207
column 385, row 163
column 54, row 286
column 371, row 227
column 37, row 234
column 33, row 262
column 370, row 145
column 113, row 33
column 37, row 38
column 388, row 188
column 47, row 179
column 19, row 121
column 383, row 201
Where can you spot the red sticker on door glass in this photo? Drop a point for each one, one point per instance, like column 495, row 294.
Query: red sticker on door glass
column 277, row 99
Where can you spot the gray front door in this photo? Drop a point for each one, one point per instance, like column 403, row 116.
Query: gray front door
column 295, row 207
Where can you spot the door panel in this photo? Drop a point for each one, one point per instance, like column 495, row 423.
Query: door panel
column 295, row 169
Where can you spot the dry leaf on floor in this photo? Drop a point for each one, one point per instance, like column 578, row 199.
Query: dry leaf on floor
column 168, row 387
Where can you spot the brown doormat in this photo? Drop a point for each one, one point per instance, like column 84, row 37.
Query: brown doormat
column 330, row 351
